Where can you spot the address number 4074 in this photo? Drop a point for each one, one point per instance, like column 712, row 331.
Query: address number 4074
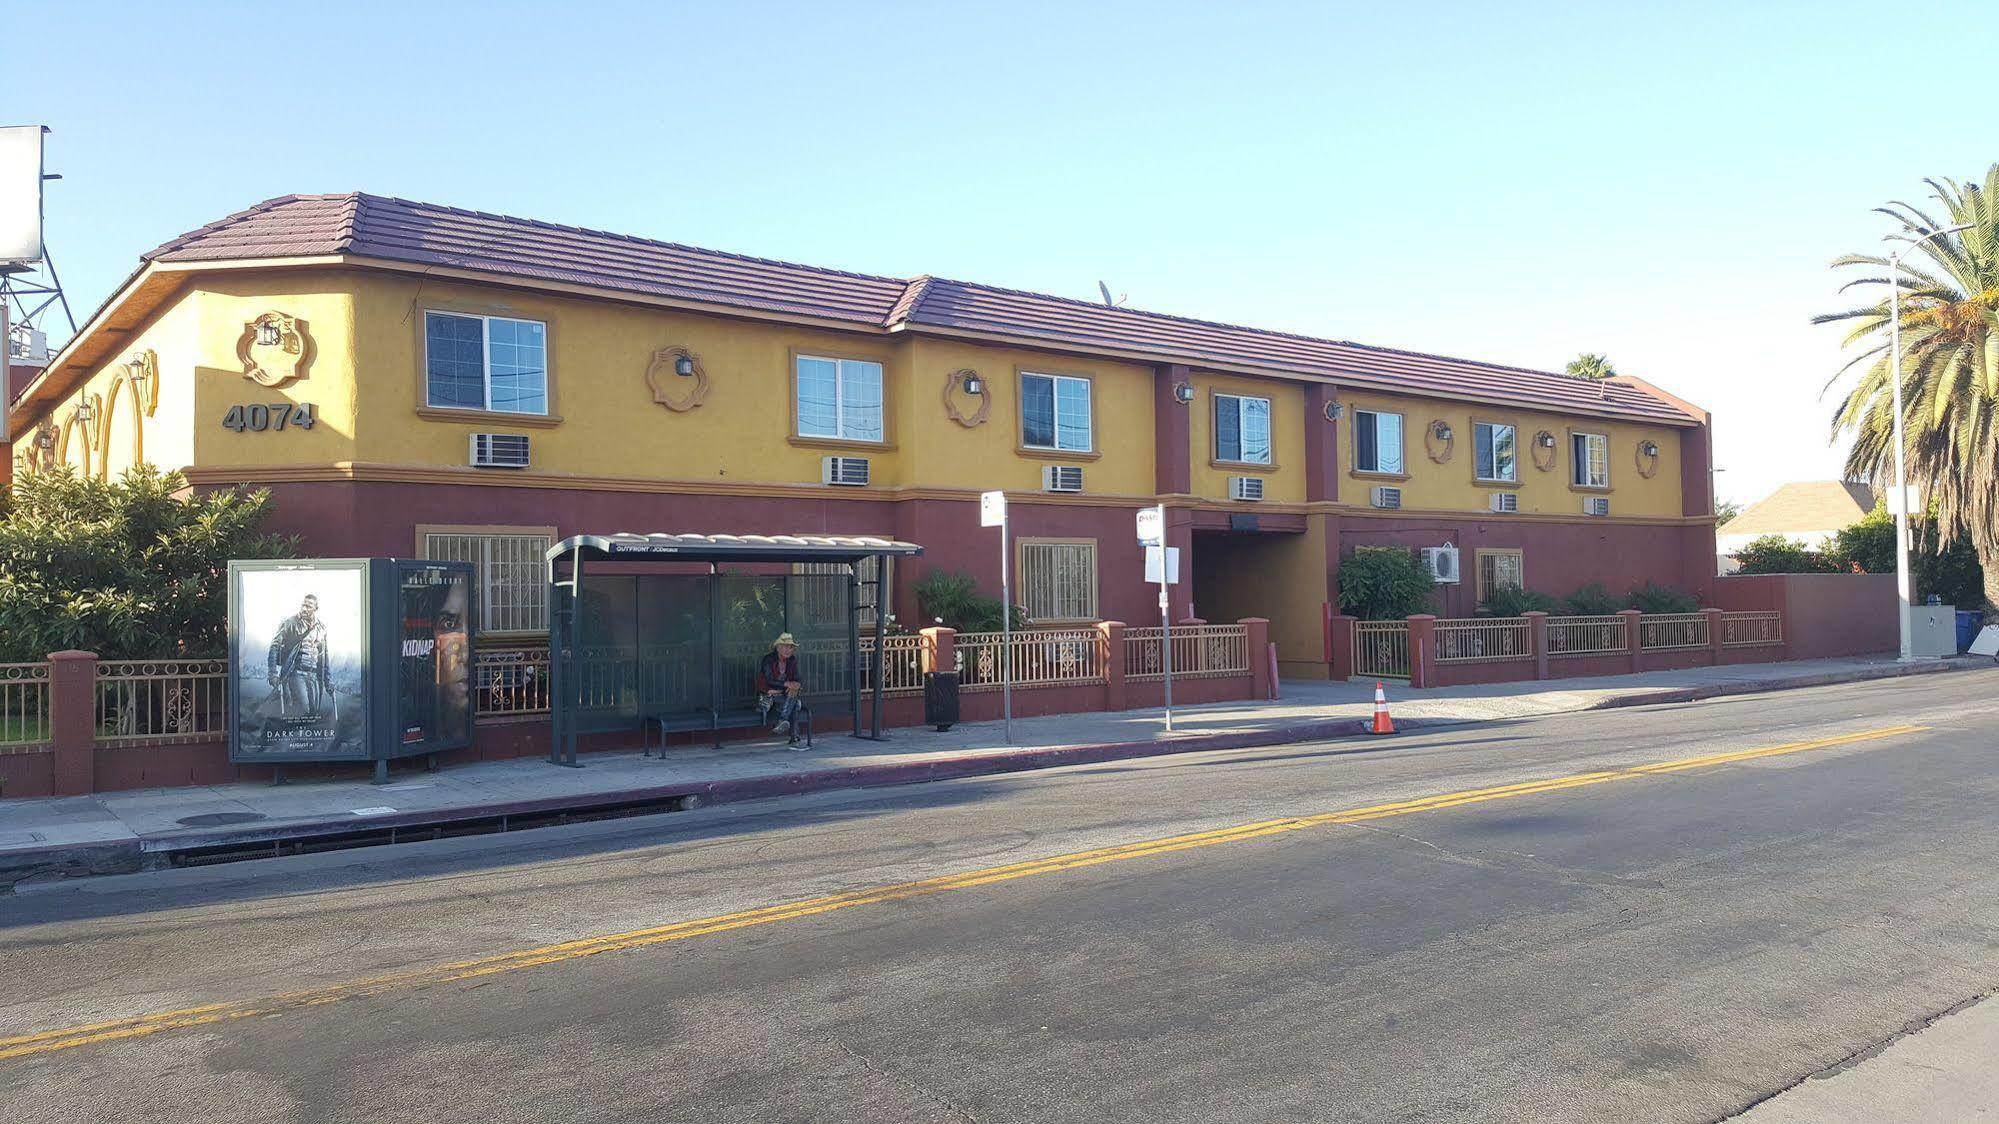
column 259, row 417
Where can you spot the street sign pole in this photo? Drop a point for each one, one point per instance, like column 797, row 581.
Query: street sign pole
column 992, row 513
column 1165, row 619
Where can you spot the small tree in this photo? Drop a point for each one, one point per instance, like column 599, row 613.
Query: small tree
column 1384, row 583
column 1588, row 366
column 129, row 569
column 1725, row 512
column 1775, row 554
column 953, row 597
column 1950, row 571
column 1592, row 600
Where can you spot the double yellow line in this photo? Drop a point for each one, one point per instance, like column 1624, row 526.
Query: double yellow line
column 139, row 1026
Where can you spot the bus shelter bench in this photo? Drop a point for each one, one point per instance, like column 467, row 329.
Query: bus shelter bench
column 743, row 718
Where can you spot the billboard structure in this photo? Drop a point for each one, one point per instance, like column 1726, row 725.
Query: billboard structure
column 20, row 196
column 349, row 659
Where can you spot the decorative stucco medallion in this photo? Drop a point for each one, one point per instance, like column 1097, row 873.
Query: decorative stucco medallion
column 1439, row 440
column 677, row 392
column 1544, row 450
column 275, row 349
column 1648, row 458
column 963, row 406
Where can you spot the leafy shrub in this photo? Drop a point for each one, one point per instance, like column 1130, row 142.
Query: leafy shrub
column 954, row 598
column 1384, row 583
column 1950, row 571
column 131, row 568
column 1650, row 598
column 1775, row 554
column 1592, row 601
column 1509, row 601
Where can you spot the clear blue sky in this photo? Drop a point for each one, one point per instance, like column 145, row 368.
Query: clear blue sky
column 1661, row 182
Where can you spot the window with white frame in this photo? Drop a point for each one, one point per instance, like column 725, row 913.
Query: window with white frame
column 1058, row 579
column 1377, row 441
column 509, row 573
column 839, row 398
column 1494, row 447
column 825, row 603
column 1055, row 412
column 485, row 363
column 1592, row 459
column 1242, row 429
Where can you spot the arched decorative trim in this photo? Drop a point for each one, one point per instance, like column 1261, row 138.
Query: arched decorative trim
column 275, row 364
column 1648, row 462
column 1545, row 450
column 662, row 378
column 1440, row 440
column 956, row 396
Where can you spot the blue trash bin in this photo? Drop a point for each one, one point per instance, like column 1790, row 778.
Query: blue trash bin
column 1968, row 623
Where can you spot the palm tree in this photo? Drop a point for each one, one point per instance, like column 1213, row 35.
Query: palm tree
column 1950, row 364
column 1587, row 366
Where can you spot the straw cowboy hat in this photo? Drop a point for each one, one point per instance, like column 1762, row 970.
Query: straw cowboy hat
column 783, row 638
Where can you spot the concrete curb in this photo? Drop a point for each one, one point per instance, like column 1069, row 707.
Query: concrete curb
column 130, row 855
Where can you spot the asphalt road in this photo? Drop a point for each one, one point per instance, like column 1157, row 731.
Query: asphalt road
column 1629, row 943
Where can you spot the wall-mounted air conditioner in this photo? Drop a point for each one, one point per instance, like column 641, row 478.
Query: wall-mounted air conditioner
column 1442, row 562
column 1385, row 497
column 1596, row 505
column 499, row 450
column 1503, row 501
column 1061, row 478
column 1246, row 488
column 851, row 472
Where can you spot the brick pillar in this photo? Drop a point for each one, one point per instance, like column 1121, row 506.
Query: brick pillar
column 1714, row 635
column 1537, row 641
column 1111, row 638
column 1423, row 650
column 1172, row 433
column 1632, row 638
column 1322, row 444
column 940, row 646
column 73, row 721
column 1260, row 686
column 1339, row 648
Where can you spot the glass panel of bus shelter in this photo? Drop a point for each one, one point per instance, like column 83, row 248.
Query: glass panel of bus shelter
column 753, row 614
column 674, row 630
column 819, row 606
column 600, row 675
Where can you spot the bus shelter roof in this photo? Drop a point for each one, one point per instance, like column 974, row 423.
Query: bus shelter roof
column 731, row 548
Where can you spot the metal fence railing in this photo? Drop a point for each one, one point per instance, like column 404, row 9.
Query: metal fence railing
column 1750, row 630
column 1484, row 640
column 24, row 703
column 901, row 663
column 1041, row 658
column 510, row 680
column 1381, row 649
column 1586, row 636
column 1199, row 651
column 160, row 701
column 1660, row 631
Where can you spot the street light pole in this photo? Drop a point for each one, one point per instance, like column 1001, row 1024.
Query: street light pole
column 1904, row 594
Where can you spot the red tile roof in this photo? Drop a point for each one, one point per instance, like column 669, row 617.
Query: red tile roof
column 421, row 233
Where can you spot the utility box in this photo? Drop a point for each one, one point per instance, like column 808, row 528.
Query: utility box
column 940, row 699
column 349, row 659
column 1933, row 630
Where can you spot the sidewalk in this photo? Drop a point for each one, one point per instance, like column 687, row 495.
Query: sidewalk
column 1941, row 1073
column 125, row 831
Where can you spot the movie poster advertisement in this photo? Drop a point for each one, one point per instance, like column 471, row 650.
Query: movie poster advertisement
column 298, row 637
column 435, row 678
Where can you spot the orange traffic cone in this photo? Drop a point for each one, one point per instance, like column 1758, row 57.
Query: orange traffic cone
column 1383, row 724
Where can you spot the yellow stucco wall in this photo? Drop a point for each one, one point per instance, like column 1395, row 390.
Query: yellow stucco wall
column 324, row 301
column 1449, row 486
column 1284, row 479
column 123, row 431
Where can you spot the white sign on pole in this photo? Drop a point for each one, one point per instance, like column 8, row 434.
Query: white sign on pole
column 20, row 195
column 1170, row 575
column 1151, row 527
column 992, row 509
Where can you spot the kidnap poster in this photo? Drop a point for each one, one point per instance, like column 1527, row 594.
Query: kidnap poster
column 298, row 656
column 435, row 705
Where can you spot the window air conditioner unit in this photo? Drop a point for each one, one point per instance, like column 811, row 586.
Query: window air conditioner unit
column 1596, row 505
column 499, row 450
column 1248, row 488
column 1442, row 562
column 1061, row 478
column 849, row 471
column 1503, row 501
column 1385, row 497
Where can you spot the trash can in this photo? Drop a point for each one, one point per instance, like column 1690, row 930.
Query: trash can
column 1969, row 621
column 940, row 699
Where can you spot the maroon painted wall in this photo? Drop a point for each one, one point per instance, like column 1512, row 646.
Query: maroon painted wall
column 1824, row 614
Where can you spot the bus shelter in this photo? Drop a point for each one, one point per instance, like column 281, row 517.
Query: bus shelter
column 666, row 632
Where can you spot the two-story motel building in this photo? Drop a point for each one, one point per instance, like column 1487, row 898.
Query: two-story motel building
column 416, row 379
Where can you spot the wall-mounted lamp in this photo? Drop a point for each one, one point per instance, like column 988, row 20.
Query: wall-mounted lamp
column 137, row 370
column 268, row 333
column 1183, row 393
column 1335, row 411
column 1442, row 431
column 973, row 384
column 1649, row 448
column 683, row 365
column 85, row 412
column 1545, row 439
column 45, row 441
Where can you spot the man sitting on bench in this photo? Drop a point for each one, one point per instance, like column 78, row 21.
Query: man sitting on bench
column 782, row 689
